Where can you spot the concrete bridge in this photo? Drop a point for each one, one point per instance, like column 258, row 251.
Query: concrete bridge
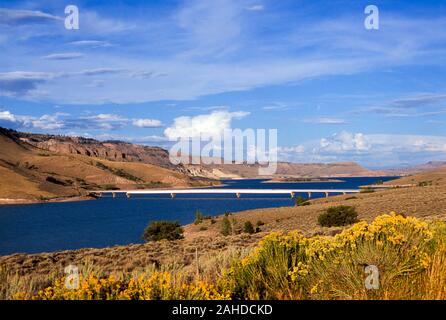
column 236, row 192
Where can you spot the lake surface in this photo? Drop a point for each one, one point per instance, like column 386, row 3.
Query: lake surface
column 107, row 221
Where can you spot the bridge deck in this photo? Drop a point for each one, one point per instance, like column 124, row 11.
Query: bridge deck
column 173, row 192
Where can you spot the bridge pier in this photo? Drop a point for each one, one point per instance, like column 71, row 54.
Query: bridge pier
column 128, row 195
column 114, row 194
column 173, row 195
column 326, row 194
column 292, row 195
column 309, row 195
column 238, row 195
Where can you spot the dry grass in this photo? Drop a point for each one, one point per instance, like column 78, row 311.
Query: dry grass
column 435, row 177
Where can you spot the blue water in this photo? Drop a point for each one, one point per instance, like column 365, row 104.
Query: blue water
column 107, row 221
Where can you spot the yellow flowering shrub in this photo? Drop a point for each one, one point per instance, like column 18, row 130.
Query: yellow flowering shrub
column 290, row 266
column 410, row 255
column 156, row 286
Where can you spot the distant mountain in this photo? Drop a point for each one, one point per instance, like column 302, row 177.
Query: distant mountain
column 286, row 169
column 428, row 166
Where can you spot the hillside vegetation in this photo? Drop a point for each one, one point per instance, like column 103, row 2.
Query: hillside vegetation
column 431, row 177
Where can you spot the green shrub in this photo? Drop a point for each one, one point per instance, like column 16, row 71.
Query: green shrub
column 198, row 217
column 367, row 190
column 118, row 172
column 226, row 228
column 248, row 227
column 338, row 216
column 425, row 183
column 159, row 230
column 301, row 201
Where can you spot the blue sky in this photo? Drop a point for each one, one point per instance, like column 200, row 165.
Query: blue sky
column 140, row 70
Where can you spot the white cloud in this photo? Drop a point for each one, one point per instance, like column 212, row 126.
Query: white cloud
column 371, row 150
column 107, row 117
column 132, row 139
column 147, row 123
column 91, row 43
column 14, row 17
column 102, row 121
column 64, row 56
column 345, row 141
column 8, row 116
column 212, row 124
column 324, row 120
column 45, row 122
column 256, row 7
column 294, row 149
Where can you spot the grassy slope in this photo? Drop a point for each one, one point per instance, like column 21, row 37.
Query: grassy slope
column 434, row 177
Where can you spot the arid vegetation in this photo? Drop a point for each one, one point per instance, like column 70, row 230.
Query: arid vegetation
column 410, row 255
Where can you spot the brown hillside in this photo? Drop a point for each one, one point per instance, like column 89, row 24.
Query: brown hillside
column 30, row 173
column 430, row 177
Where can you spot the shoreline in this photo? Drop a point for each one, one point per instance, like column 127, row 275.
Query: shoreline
column 7, row 201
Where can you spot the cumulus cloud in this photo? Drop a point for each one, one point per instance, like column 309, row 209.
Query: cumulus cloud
column 7, row 116
column 345, row 141
column 147, row 123
column 212, row 124
column 103, row 121
column 372, row 150
column 45, row 122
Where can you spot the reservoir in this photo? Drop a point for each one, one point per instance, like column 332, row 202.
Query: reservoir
column 111, row 221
